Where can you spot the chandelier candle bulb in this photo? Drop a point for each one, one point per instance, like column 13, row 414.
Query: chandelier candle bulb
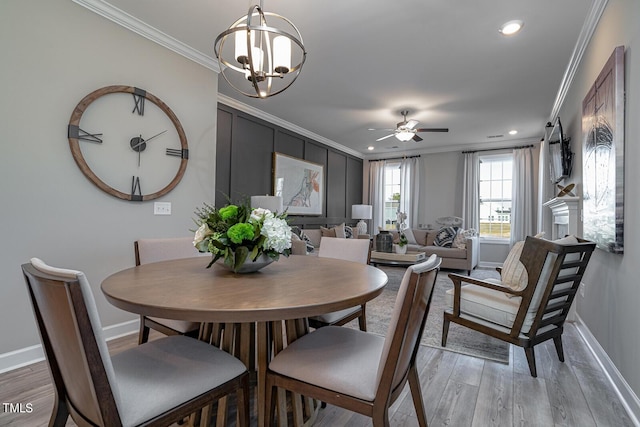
column 282, row 54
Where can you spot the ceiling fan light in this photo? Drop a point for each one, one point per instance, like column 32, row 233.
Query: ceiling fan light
column 404, row 135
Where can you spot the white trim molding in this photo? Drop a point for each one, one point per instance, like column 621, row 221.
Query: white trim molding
column 231, row 102
column 590, row 24
column 627, row 396
column 145, row 30
column 28, row 355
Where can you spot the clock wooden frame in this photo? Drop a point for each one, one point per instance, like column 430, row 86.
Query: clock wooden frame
column 140, row 95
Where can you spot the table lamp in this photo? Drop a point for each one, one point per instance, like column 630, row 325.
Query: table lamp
column 273, row 203
column 361, row 212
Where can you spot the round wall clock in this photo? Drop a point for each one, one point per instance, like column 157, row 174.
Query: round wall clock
column 128, row 147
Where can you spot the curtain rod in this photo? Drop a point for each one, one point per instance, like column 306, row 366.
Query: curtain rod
column 496, row 149
column 394, row 158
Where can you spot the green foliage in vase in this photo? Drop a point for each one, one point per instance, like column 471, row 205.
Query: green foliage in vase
column 236, row 233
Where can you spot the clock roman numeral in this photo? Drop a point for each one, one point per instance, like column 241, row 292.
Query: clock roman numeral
column 136, row 191
column 139, row 96
column 75, row 132
column 182, row 153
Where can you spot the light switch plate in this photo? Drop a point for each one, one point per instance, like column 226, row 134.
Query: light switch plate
column 162, row 208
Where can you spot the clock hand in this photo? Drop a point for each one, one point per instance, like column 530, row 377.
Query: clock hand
column 143, row 141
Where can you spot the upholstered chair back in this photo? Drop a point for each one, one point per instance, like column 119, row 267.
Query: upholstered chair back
column 407, row 322
column 68, row 320
column 356, row 250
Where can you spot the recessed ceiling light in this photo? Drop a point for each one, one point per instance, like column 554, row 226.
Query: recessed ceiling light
column 370, row 148
column 513, row 132
column 511, row 27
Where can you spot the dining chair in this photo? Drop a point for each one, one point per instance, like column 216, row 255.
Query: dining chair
column 533, row 308
column 163, row 249
column 356, row 370
column 156, row 383
column 356, row 250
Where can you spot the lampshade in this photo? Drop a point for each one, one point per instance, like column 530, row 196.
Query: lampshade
column 361, row 211
column 273, row 203
column 259, row 58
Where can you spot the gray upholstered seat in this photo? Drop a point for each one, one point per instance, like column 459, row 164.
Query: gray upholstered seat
column 356, row 250
column 161, row 381
column 357, row 370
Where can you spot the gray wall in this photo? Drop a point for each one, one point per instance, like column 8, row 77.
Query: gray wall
column 54, row 53
column 610, row 305
column 247, row 143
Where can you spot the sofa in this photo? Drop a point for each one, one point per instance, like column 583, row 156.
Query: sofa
column 462, row 254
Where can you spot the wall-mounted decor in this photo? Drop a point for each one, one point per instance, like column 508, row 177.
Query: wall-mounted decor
column 603, row 156
column 299, row 183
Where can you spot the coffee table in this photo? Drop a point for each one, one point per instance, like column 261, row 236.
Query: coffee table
column 392, row 258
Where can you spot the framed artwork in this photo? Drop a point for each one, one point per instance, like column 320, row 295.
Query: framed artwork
column 603, row 156
column 299, row 183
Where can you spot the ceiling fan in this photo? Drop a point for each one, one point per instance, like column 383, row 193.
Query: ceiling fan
column 405, row 130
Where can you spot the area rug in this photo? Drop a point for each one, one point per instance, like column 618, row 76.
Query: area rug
column 459, row 340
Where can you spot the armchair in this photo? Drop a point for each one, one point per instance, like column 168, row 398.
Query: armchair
column 528, row 314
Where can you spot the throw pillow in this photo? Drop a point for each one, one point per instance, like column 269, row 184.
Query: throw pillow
column 328, row 232
column 460, row 241
column 307, row 241
column 350, row 232
column 411, row 239
column 513, row 274
column 445, row 237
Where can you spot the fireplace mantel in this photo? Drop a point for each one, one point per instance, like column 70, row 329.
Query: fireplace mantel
column 565, row 211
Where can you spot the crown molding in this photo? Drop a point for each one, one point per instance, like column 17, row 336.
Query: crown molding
column 588, row 28
column 132, row 23
column 285, row 124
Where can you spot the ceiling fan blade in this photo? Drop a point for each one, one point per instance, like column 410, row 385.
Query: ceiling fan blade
column 416, row 138
column 387, row 129
column 385, row 137
column 433, row 130
column 411, row 124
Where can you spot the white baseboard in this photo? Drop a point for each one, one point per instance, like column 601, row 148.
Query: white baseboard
column 489, row 265
column 629, row 399
column 28, row 355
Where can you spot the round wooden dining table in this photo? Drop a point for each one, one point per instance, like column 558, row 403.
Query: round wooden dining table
column 291, row 290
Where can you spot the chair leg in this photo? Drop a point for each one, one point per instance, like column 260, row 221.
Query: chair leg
column 557, row 341
column 531, row 360
column 416, row 395
column 380, row 416
column 362, row 320
column 445, row 329
column 270, row 403
column 60, row 414
column 242, row 396
column 143, row 336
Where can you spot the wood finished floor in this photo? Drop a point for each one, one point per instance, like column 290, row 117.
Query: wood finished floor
column 458, row 390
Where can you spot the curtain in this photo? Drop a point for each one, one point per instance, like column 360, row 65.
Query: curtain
column 410, row 190
column 470, row 191
column 523, row 205
column 545, row 188
column 376, row 194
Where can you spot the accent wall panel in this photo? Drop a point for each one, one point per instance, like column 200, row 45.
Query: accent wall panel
column 250, row 158
column 336, row 186
column 244, row 154
column 223, row 157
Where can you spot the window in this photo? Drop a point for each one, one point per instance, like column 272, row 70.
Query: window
column 391, row 195
column 495, row 195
